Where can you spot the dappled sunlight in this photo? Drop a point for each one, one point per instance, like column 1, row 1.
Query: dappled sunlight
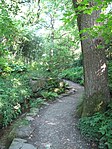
column 16, row 82
column 61, row 84
column 23, row 91
column 47, row 49
column 1, row 104
column 18, row 106
column 101, row 70
column 103, row 67
column 99, row 106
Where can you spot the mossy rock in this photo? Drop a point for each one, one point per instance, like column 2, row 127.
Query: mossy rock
column 37, row 83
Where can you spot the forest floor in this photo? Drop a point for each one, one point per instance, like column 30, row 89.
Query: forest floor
column 55, row 125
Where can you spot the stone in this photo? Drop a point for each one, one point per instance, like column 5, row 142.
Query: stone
column 28, row 146
column 29, row 118
column 33, row 112
column 24, row 131
column 37, row 83
column 20, row 140
column 18, row 143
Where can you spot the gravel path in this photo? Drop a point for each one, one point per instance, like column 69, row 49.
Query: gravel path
column 55, row 126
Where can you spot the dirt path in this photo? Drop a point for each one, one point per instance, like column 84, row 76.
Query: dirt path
column 55, row 125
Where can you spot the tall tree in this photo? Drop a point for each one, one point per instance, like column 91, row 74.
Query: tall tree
column 94, row 59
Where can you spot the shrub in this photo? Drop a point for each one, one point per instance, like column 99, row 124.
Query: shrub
column 15, row 94
column 15, row 90
column 98, row 128
column 34, row 103
column 49, row 95
column 55, row 85
column 73, row 74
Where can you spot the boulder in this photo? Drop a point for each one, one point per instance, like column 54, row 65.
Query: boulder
column 37, row 84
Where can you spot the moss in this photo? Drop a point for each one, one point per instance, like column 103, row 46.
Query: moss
column 11, row 133
column 91, row 105
column 10, row 137
column 79, row 109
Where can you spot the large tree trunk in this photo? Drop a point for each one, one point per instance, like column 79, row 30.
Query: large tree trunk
column 95, row 68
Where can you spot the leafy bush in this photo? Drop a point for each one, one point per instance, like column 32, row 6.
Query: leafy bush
column 73, row 74
column 55, row 85
column 49, row 95
column 34, row 103
column 53, row 88
column 11, row 67
column 18, row 68
column 15, row 94
column 98, row 128
column 15, row 90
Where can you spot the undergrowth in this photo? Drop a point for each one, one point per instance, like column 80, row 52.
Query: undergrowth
column 74, row 74
column 98, row 128
column 16, row 94
column 13, row 94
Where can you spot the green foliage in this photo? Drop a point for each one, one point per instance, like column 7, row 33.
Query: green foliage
column 53, row 88
column 98, row 128
column 7, row 29
column 49, row 96
column 15, row 89
column 73, row 74
column 55, row 83
column 49, row 56
column 12, row 67
column 18, row 68
column 36, row 103
column 15, row 93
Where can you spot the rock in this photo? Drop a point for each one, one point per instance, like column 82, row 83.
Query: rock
column 33, row 112
column 28, row 146
column 37, row 83
column 69, row 87
column 19, row 140
column 29, row 118
column 68, row 92
column 18, row 143
column 24, row 131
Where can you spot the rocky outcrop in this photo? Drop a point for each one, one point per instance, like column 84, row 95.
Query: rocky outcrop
column 37, row 83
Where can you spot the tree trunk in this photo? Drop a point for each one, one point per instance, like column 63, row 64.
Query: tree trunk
column 95, row 67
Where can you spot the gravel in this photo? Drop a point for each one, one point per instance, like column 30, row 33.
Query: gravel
column 55, row 124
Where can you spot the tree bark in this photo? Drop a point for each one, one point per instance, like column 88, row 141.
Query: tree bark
column 95, row 67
